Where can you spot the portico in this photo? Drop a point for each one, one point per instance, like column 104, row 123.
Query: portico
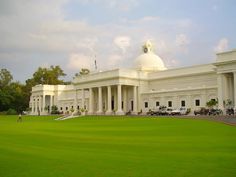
column 41, row 104
column 110, row 99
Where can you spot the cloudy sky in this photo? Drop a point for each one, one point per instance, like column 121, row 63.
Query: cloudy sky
column 73, row 33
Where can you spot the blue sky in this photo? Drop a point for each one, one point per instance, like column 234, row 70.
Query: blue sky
column 73, row 33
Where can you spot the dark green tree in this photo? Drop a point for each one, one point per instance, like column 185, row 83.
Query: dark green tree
column 50, row 76
column 5, row 97
column 14, row 95
column 211, row 103
column 5, row 78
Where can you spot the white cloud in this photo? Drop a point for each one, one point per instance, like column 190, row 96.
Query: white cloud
column 41, row 30
column 123, row 42
column 221, row 46
column 78, row 61
column 181, row 40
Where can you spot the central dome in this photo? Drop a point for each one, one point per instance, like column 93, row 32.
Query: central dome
column 149, row 61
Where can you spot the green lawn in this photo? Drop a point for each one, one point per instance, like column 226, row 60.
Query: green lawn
column 116, row 147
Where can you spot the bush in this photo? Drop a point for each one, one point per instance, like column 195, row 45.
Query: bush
column 3, row 113
column 55, row 110
column 11, row 112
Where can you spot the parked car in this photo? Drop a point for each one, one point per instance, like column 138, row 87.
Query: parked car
column 185, row 111
column 168, row 111
column 175, row 112
column 201, row 111
column 215, row 112
column 160, row 111
column 180, row 111
column 230, row 111
column 156, row 111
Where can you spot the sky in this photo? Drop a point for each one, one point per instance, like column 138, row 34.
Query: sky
column 75, row 33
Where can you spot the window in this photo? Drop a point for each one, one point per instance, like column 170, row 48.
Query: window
column 66, row 108
column 157, row 103
column 183, row 103
column 169, row 103
column 197, row 102
column 61, row 108
column 146, row 104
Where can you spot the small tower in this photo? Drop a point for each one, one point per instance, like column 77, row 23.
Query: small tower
column 147, row 47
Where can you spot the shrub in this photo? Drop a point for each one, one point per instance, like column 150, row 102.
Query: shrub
column 55, row 110
column 3, row 113
column 11, row 111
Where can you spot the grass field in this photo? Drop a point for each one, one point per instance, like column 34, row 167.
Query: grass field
column 116, row 147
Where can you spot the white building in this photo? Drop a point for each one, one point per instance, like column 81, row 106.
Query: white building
column 148, row 86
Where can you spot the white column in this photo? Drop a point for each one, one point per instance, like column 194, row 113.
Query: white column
column 82, row 98
column 40, row 105
column 135, row 100
column 99, row 100
column 138, row 100
column 124, row 99
column 226, row 87
column 235, row 89
column 231, row 88
column 50, row 105
column 90, row 101
column 43, row 103
column 119, row 101
column 52, row 100
column 109, row 111
column 75, row 101
column 36, row 105
column 33, row 104
column 220, row 91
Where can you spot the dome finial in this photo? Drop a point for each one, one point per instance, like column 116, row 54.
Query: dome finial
column 147, row 47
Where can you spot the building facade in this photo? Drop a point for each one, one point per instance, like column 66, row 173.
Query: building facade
column 147, row 86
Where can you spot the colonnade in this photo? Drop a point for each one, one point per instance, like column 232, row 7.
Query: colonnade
column 38, row 103
column 121, row 97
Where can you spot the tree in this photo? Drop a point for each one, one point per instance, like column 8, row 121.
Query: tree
column 20, row 101
column 211, row 103
column 5, row 97
column 47, row 76
column 14, row 95
column 5, row 78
